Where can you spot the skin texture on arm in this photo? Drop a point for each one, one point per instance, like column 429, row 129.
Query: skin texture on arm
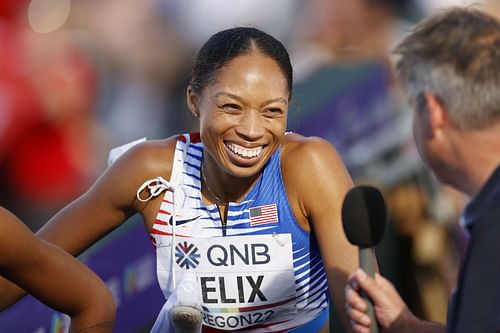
column 316, row 182
column 110, row 200
column 54, row 277
column 392, row 313
column 104, row 207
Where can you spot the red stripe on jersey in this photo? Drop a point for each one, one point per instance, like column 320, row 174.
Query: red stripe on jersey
column 165, row 212
column 160, row 222
column 165, row 233
column 195, row 137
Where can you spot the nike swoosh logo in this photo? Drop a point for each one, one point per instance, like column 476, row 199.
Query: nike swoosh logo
column 181, row 222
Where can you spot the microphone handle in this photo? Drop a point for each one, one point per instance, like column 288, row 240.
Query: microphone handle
column 368, row 262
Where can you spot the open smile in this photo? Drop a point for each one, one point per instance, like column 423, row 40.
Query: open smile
column 243, row 154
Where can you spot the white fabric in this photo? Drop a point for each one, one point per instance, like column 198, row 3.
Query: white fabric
column 155, row 186
column 118, row 151
column 185, row 293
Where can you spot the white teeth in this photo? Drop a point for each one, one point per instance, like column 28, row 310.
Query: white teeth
column 244, row 152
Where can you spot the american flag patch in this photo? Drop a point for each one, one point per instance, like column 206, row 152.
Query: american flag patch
column 263, row 215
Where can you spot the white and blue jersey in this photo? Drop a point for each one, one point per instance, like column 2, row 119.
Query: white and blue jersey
column 260, row 272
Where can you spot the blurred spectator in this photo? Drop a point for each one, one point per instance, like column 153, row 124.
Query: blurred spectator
column 16, row 106
column 198, row 20
column 430, row 6
column 428, row 255
column 142, row 67
column 345, row 91
column 49, row 136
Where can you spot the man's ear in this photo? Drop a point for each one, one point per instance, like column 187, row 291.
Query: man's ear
column 192, row 101
column 437, row 114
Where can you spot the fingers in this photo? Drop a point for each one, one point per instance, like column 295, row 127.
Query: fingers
column 360, row 321
column 383, row 283
column 354, row 299
column 375, row 289
column 356, row 306
column 359, row 329
column 389, row 308
column 359, row 318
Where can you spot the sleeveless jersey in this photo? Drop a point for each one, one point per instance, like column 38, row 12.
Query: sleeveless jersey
column 260, row 272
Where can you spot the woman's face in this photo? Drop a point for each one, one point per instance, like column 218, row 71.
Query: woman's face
column 243, row 114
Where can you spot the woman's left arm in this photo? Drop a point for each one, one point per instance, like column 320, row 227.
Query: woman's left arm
column 318, row 181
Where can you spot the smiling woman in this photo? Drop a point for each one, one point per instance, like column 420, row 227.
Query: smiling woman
column 247, row 228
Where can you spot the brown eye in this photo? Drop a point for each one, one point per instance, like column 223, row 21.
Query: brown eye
column 231, row 107
column 273, row 112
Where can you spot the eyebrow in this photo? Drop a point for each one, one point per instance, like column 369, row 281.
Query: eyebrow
column 238, row 98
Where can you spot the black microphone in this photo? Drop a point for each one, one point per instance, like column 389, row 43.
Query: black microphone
column 364, row 217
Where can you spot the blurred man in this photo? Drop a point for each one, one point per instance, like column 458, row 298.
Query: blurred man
column 450, row 67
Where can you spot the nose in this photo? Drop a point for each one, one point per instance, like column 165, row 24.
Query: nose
column 251, row 125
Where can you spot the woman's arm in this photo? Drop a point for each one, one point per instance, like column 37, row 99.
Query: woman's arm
column 104, row 207
column 318, row 176
column 111, row 199
column 54, row 277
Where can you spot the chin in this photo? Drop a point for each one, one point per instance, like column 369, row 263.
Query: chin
column 444, row 175
column 245, row 172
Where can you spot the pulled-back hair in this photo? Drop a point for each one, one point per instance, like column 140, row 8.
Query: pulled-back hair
column 228, row 44
column 455, row 55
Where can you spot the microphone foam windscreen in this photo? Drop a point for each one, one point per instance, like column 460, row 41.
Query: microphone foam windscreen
column 364, row 216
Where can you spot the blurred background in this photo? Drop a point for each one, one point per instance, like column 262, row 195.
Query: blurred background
column 78, row 77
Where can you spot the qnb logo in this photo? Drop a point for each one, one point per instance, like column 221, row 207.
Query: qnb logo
column 187, row 255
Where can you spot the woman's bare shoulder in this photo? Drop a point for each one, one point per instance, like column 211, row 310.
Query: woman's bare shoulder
column 313, row 156
column 148, row 159
column 296, row 146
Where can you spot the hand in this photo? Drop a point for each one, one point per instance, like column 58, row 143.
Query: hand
column 392, row 313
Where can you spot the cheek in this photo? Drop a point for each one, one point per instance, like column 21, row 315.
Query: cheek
column 213, row 122
column 277, row 125
column 212, row 127
column 280, row 129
